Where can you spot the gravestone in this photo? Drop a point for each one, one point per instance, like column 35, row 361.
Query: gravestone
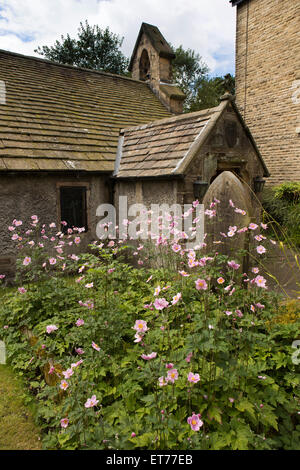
column 224, row 188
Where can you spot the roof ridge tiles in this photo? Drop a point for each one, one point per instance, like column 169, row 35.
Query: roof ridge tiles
column 72, row 67
column 173, row 119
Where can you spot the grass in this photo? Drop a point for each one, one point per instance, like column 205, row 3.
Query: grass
column 17, row 428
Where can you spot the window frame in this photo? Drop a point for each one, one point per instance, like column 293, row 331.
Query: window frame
column 72, row 184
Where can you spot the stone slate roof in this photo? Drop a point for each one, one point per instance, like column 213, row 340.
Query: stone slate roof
column 162, row 147
column 166, row 147
column 59, row 117
column 157, row 40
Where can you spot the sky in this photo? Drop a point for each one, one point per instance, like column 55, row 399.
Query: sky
column 205, row 26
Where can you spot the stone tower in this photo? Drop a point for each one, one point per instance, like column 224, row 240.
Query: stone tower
column 268, row 81
column 151, row 61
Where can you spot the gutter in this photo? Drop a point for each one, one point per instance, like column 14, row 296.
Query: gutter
column 139, row 178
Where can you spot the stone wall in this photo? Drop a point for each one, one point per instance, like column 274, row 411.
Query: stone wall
column 22, row 196
column 145, row 44
column 146, row 192
column 160, row 75
column 268, row 82
column 227, row 148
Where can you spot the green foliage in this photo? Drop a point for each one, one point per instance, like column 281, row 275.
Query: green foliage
column 288, row 191
column 282, row 204
column 289, row 313
column 93, row 48
column 190, row 73
column 210, row 90
column 248, row 388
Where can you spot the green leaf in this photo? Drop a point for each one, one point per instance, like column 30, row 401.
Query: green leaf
column 34, row 384
column 240, row 442
column 148, row 399
column 144, row 440
column 245, row 405
column 219, row 441
column 269, row 418
column 215, row 413
column 63, row 438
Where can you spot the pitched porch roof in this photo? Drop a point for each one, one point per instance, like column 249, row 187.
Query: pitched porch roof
column 166, row 147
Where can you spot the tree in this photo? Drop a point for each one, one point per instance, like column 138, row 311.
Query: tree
column 210, row 90
column 188, row 72
column 94, row 48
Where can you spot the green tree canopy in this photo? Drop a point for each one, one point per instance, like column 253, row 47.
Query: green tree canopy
column 93, row 48
column 191, row 74
column 188, row 72
column 210, row 90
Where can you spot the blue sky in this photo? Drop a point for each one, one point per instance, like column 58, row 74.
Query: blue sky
column 208, row 27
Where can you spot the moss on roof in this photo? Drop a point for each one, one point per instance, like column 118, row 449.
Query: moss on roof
column 59, row 117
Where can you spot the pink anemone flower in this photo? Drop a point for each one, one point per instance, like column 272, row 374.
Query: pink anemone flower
column 195, row 422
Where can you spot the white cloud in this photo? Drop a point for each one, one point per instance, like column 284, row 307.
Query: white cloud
column 208, row 27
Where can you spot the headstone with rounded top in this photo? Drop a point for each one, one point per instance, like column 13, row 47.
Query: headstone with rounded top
column 233, row 196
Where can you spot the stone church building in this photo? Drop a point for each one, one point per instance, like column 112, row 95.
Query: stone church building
column 72, row 139
column 268, row 81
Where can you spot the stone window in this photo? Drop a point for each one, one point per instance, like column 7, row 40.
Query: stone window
column 73, row 206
